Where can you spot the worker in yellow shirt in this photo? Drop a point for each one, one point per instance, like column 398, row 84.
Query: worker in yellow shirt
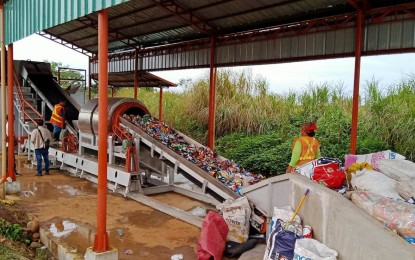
column 304, row 148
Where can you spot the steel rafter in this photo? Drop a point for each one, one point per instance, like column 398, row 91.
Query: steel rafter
column 64, row 43
column 377, row 15
column 113, row 33
column 186, row 15
column 254, row 10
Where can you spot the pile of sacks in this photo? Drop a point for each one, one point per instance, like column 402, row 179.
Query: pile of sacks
column 228, row 172
column 384, row 186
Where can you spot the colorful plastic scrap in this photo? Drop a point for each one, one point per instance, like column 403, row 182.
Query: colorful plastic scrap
column 228, row 172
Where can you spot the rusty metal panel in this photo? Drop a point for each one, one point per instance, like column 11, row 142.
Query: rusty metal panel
column 285, row 47
column 320, row 43
column 390, row 35
column 303, row 45
column 294, row 42
column 396, row 35
column 330, row 42
column 383, row 36
column 408, row 34
column 339, row 42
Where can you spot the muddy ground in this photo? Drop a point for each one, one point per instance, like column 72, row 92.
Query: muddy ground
column 60, row 199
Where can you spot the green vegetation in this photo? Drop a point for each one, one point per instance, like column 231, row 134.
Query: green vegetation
column 255, row 127
column 12, row 231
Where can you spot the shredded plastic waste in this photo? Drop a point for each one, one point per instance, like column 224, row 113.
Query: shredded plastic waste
column 228, row 172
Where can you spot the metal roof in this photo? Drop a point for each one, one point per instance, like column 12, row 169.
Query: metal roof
column 26, row 17
column 145, row 23
column 126, row 79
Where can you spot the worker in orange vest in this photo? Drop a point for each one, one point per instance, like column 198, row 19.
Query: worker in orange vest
column 58, row 118
column 305, row 148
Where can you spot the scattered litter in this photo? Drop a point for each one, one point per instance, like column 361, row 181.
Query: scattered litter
column 177, row 257
column 43, row 248
column 128, row 251
column 7, row 202
column 74, row 251
column 27, row 193
column 120, row 232
column 198, row 211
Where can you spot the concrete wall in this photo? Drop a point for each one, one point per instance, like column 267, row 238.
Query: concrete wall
column 335, row 220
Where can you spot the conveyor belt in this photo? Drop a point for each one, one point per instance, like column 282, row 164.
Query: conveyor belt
column 41, row 79
column 191, row 171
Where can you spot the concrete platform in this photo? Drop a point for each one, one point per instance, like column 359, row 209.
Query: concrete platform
column 58, row 247
column 108, row 255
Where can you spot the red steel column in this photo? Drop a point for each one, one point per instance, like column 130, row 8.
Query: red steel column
column 212, row 96
column 3, row 94
column 101, row 243
column 89, row 78
column 10, row 73
column 358, row 53
column 161, row 105
column 135, row 74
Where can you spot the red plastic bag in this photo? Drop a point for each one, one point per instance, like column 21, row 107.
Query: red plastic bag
column 329, row 175
column 212, row 238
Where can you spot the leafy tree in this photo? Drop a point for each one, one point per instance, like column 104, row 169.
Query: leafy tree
column 76, row 76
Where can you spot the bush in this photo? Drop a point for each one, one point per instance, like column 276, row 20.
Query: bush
column 256, row 128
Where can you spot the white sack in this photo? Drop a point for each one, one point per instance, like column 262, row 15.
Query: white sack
column 400, row 170
column 236, row 213
column 375, row 182
column 406, row 189
column 311, row 249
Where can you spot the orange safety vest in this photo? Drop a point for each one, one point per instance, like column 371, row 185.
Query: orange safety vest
column 56, row 118
column 309, row 147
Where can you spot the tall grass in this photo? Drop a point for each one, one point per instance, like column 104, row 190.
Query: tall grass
column 248, row 114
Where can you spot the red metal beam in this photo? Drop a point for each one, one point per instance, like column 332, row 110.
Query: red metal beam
column 89, row 79
column 212, row 97
column 10, row 119
column 161, row 104
column 358, row 52
column 186, row 15
column 113, row 33
column 135, row 73
column 101, row 242
column 64, row 43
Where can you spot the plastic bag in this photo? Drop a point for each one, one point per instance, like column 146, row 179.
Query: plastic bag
column 285, row 214
column 281, row 241
column 237, row 214
column 329, row 175
column 308, row 168
column 311, row 249
column 375, row 182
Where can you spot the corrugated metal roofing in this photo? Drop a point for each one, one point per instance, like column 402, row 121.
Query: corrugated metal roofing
column 26, row 17
column 144, row 23
column 126, row 79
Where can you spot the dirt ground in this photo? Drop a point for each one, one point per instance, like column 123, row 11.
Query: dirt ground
column 148, row 233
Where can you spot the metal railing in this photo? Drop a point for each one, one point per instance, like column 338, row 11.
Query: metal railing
column 24, row 104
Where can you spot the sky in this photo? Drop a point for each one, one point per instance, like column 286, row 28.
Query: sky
column 296, row 76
